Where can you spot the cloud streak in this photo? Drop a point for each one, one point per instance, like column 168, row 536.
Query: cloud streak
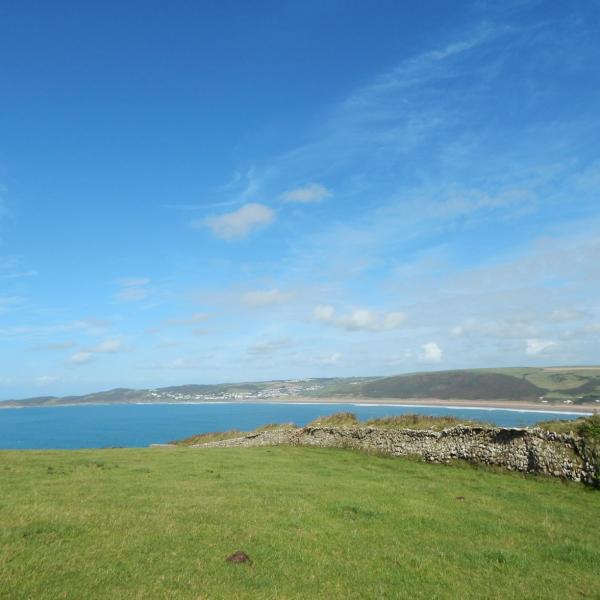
column 239, row 223
column 308, row 194
column 133, row 289
column 359, row 319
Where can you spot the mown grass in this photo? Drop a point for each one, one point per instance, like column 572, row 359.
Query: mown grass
column 317, row 523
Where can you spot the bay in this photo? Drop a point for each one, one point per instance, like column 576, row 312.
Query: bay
column 139, row 425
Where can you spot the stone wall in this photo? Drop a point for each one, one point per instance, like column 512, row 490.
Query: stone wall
column 525, row 450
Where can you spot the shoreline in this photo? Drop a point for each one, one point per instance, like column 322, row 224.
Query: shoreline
column 511, row 405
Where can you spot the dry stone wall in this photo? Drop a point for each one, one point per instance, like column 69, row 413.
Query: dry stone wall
column 524, row 450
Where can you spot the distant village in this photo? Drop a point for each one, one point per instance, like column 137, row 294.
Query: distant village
column 297, row 388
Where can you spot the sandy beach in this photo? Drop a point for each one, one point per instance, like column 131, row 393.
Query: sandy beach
column 587, row 409
column 437, row 402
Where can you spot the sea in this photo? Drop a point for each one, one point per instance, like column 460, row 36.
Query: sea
column 139, row 425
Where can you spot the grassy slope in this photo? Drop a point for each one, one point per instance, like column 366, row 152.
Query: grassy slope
column 581, row 385
column 317, row 523
column 527, row 384
column 468, row 385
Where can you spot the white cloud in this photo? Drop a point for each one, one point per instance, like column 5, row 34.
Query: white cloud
column 509, row 328
column 81, row 358
column 193, row 319
column 331, row 359
column 133, row 289
column 134, row 281
column 91, row 326
column 535, row 346
column 314, row 192
column 468, row 201
column 565, row 315
column 11, row 268
column 183, row 363
column 458, row 331
column 19, row 274
column 239, row 223
column 268, row 347
column 431, row 353
column 360, row 319
column 258, row 298
column 55, row 346
column 46, row 380
column 10, row 302
column 108, row 347
column 86, row 356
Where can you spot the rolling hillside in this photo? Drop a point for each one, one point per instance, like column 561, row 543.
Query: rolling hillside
column 454, row 384
column 579, row 385
column 549, row 385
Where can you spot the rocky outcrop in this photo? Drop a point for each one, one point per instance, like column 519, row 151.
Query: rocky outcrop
column 524, row 450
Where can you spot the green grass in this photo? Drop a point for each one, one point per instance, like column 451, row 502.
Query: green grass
column 211, row 436
column 408, row 421
column 218, row 436
column 586, row 427
column 415, row 421
column 317, row 523
column 341, row 419
column 583, row 426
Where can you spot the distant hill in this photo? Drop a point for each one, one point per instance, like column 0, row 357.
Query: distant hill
column 466, row 385
column 577, row 385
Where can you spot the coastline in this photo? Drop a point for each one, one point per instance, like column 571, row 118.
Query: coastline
column 474, row 404
column 512, row 405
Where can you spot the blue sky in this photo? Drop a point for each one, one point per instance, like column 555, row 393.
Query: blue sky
column 198, row 192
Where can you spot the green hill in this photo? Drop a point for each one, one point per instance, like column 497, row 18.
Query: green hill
column 578, row 385
column 454, row 384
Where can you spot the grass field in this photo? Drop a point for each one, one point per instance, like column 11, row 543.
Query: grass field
column 317, row 523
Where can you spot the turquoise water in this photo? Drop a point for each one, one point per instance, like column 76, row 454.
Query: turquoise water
column 132, row 425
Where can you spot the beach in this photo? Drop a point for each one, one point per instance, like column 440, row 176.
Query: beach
column 439, row 403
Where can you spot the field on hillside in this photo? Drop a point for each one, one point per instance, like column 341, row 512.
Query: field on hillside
column 578, row 385
column 316, row 523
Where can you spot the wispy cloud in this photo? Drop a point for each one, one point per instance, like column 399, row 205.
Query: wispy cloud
column 133, row 289
column 45, row 380
column 239, row 223
column 534, row 347
column 270, row 347
column 90, row 326
column 55, row 346
column 193, row 319
column 359, row 319
column 19, row 274
column 109, row 346
column 11, row 268
column 242, row 188
column 260, row 298
column 8, row 303
column 81, row 358
column 313, row 192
